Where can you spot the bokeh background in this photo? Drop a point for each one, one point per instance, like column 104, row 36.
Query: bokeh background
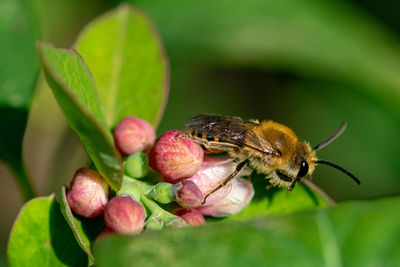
column 305, row 63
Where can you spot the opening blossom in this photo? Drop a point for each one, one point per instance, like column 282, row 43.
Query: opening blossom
column 213, row 172
column 239, row 197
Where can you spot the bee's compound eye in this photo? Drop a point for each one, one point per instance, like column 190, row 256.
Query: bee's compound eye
column 303, row 169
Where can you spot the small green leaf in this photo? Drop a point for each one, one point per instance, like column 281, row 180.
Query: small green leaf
column 75, row 91
column 83, row 235
column 41, row 237
column 353, row 234
column 128, row 63
column 19, row 68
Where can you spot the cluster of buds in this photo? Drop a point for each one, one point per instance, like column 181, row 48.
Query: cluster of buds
column 187, row 176
column 88, row 196
column 181, row 161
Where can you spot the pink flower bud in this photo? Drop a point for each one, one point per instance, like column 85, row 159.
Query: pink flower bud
column 124, row 215
column 88, row 193
column 133, row 134
column 238, row 198
column 175, row 157
column 106, row 232
column 191, row 216
column 214, row 170
column 187, row 194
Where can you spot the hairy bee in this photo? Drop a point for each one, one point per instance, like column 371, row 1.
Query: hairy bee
column 266, row 146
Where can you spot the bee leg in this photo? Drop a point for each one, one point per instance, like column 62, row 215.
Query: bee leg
column 291, row 186
column 227, row 179
column 184, row 136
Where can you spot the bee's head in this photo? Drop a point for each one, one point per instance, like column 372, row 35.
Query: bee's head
column 304, row 160
column 300, row 165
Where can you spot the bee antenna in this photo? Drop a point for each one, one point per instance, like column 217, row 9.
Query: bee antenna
column 332, row 137
column 338, row 168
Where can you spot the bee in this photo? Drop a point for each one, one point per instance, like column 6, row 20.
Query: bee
column 268, row 147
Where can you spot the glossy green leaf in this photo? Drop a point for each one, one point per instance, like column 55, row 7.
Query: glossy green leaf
column 41, row 237
column 351, row 234
column 128, row 63
column 85, row 230
column 75, row 91
column 19, row 69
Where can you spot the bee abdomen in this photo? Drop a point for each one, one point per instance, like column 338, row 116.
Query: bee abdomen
column 204, row 136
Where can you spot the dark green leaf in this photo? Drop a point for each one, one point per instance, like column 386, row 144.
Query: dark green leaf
column 41, row 237
column 75, row 91
column 19, row 69
column 128, row 63
column 352, row 234
column 85, row 230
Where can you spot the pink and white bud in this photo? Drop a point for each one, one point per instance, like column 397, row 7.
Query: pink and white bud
column 238, row 198
column 175, row 157
column 133, row 134
column 191, row 216
column 124, row 215
column 214, row 170
column 187, row 194
column 88, row 193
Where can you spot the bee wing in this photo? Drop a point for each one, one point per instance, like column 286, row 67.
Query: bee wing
column 231, row 130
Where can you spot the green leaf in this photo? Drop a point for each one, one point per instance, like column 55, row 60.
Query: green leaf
column 19, row 70
column 275, row 201
column 75, row 91
column 128, row 63
column 85, row 230
column 41, row 237
column 352, row 234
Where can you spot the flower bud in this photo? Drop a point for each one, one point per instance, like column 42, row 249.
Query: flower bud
column 214, row 170
column 133, row 134
column 136, row 165
column 163, row 193
column 124, row 215
column 238, row 198
column 191, row 216
column 106, row 232
column 187, row 194
column 175, row 157
column 88, row 193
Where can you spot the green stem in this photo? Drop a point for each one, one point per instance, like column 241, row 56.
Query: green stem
column 23, row 181
column 168, row 219
column 152, row 206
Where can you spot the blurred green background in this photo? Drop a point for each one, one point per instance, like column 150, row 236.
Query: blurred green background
column 307, row 64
